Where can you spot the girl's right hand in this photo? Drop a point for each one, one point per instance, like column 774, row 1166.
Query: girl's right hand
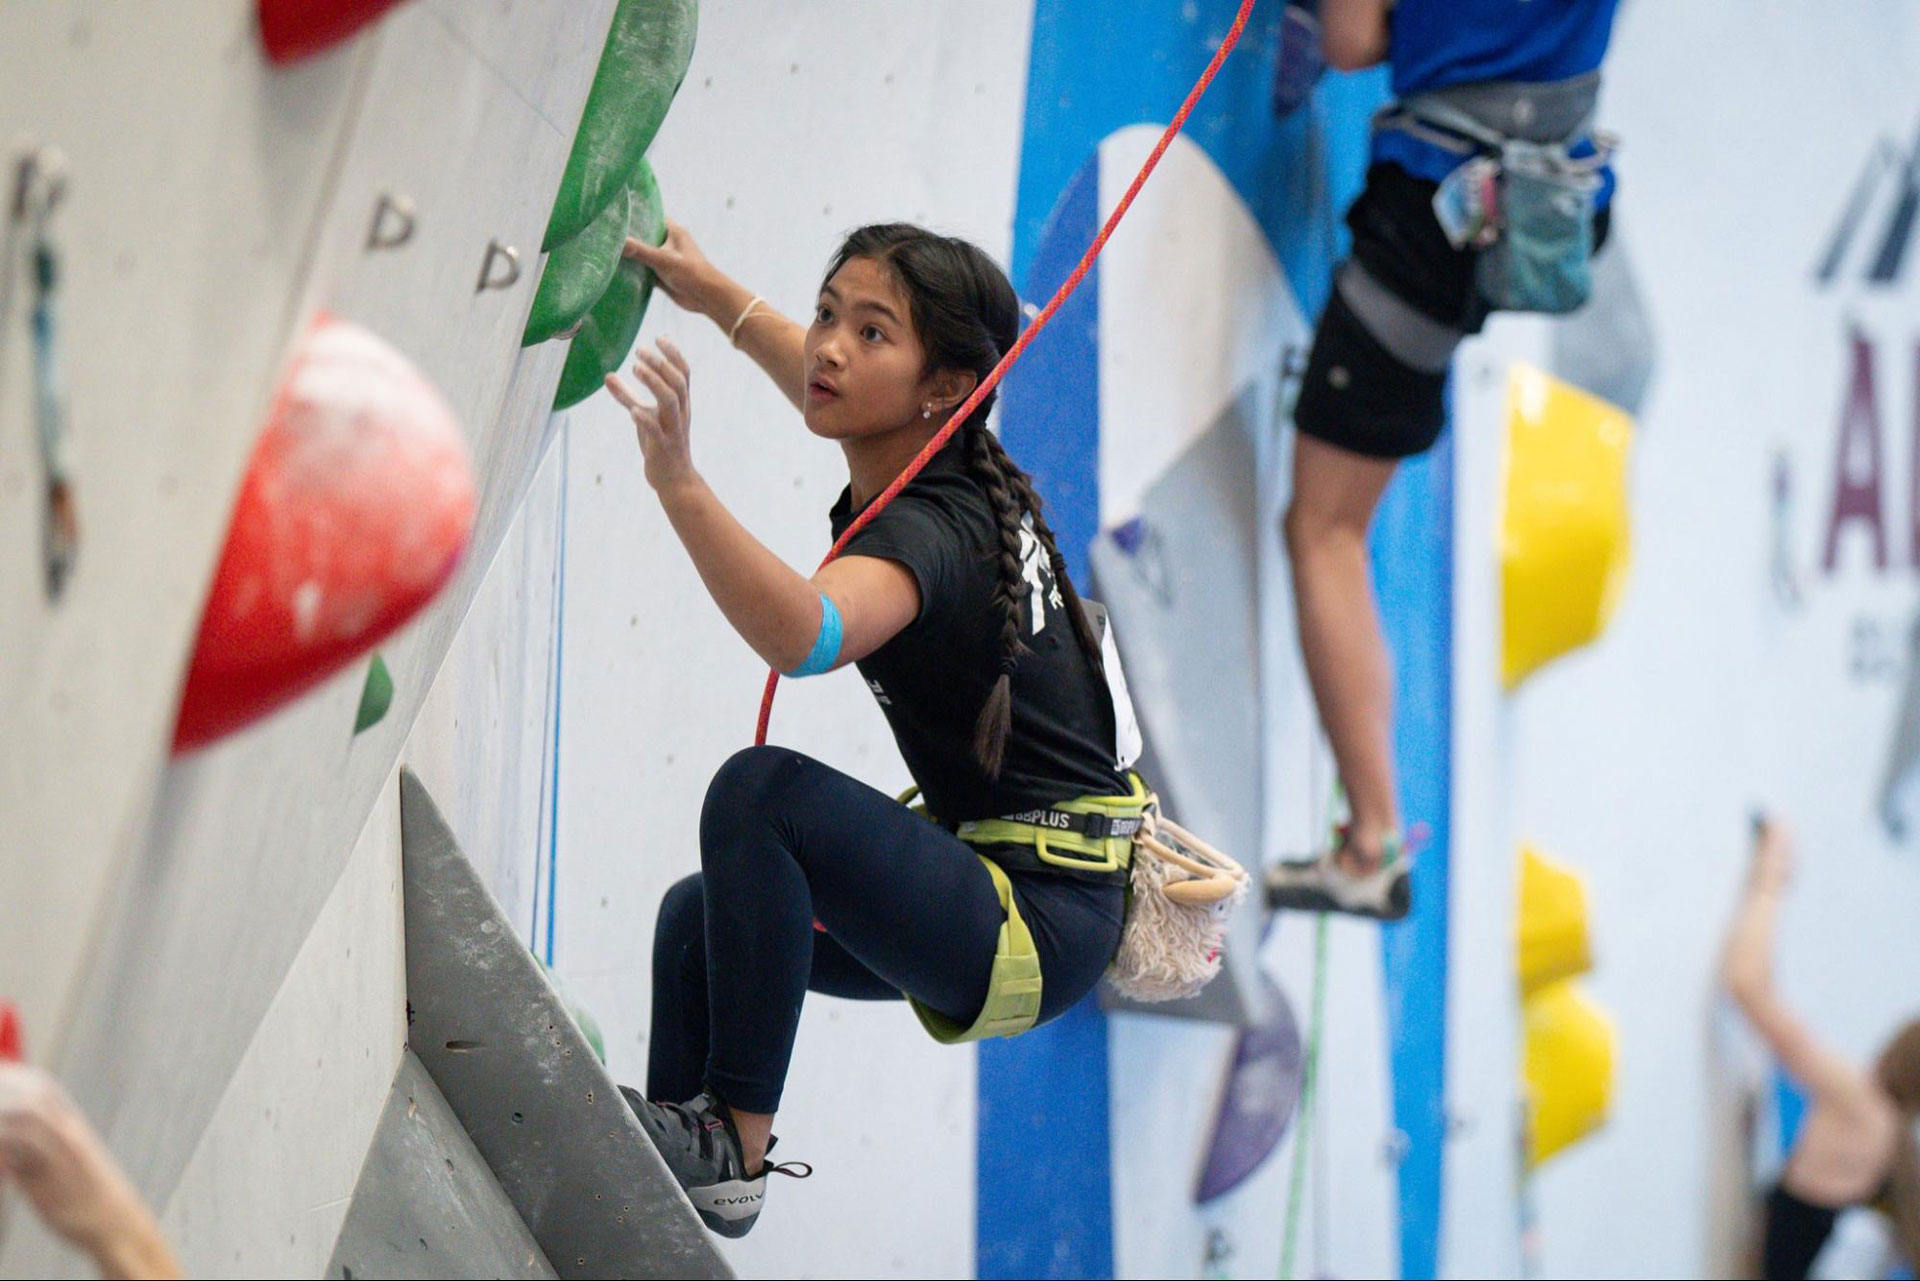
column 682, row 271
column 663, row 427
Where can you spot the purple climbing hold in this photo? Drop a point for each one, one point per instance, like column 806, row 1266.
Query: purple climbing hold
column 1300, row 63
column 1257, row 1102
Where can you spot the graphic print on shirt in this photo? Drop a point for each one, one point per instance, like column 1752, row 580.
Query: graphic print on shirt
column 1037, row 569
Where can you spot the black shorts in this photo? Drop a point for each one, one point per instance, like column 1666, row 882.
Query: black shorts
column 1356, row 393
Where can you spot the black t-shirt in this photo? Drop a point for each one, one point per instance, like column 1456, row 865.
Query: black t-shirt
column 934, row 676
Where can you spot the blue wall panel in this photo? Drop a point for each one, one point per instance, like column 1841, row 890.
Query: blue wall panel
column 1045, row 1187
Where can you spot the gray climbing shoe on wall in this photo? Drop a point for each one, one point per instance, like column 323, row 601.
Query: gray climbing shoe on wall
column 698, row 1143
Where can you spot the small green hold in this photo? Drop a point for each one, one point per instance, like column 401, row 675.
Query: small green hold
column 589, row 1028
column 582, row 1016
column 376, row 696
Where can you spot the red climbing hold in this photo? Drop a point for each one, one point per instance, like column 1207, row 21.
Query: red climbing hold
column 11, row 1050
column 296, row 29
column 355, row 509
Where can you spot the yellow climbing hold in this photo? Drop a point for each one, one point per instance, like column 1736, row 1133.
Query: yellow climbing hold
column 1568, row 1070
column 1552, row 923
column 1564, row 531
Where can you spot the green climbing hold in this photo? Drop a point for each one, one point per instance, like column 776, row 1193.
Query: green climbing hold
column 376, row 696
column 648, row 48
column 582, row 1016
column 577, row 273
column 589, row 1028
column 607, row 334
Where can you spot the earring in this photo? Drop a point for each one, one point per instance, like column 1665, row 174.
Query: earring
column 927, row 412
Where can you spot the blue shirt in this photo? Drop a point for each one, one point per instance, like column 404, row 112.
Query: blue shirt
column 1434, row 44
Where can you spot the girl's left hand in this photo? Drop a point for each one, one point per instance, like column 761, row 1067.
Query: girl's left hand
column 663, row 427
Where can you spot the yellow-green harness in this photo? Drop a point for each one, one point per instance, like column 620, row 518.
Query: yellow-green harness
column 1103, row 844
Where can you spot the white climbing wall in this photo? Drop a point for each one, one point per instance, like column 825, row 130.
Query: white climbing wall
column 154, row 913
column 191, row 170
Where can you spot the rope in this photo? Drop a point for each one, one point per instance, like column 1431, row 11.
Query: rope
column 1027, row 335
column 1309, row 1081
column 558, row 656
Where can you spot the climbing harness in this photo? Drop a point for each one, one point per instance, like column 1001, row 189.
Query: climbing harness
column 1180, row 892
column 1027, row 335
column 39, row 184
column 1013, row 988
column 1092, row 836
column 1524, row 199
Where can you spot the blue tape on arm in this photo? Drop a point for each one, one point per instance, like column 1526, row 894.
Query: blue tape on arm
column 826, row 646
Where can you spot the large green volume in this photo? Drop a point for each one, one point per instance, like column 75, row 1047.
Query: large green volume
column 648, row 49
column 607, row 334
column 577, row 273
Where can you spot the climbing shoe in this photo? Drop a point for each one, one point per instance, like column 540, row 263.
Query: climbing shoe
column 1322, row 885
column 699, row 1144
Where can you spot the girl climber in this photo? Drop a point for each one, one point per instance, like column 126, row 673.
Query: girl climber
column 956, row 606
column 1856, row 1143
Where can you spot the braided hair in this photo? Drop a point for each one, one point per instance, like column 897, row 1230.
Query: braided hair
column 966, row 314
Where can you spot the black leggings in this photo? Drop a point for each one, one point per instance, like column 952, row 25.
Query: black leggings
column 1796, row 1232
column 906, row 905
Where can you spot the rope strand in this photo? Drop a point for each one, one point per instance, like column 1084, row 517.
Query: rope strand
column 1028, row 334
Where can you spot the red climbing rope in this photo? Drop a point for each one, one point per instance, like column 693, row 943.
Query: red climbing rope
column 1028, row 334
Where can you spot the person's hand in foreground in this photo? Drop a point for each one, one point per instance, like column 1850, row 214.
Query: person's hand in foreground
column 52, row 1155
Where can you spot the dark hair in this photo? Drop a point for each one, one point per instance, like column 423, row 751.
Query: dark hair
column 1898, row 1072
column 966, row 315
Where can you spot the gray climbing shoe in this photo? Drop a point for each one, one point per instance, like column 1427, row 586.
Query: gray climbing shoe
column 698, row 1142
column 1322, row 885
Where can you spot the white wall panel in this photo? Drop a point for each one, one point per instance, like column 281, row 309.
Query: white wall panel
column 197, row 174
column 250, row 836
column 267, row 1189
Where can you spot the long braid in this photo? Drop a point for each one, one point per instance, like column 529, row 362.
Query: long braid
column 990, row 731
column 1012, row 496
column 1029, row 500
